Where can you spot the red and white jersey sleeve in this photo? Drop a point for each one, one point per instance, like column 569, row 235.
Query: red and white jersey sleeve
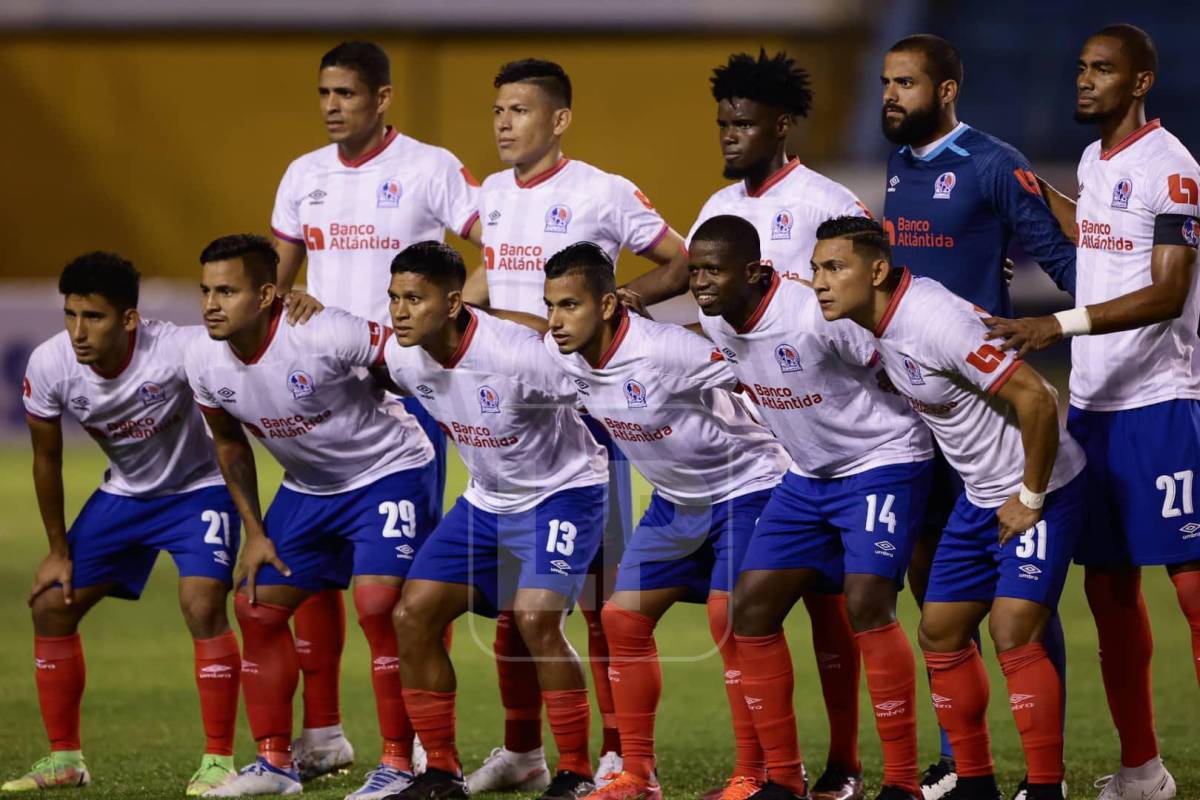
column 142, row 417
column 302, row 397
column 510, row 411
column 353, row 217
column 815, row 386
column 526, row 222
column 933, row 348
column 1122, row 193
column 786, row 210
column 663, row 394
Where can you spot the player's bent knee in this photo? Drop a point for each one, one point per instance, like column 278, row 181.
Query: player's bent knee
column 541, row 629
column 870, row 601
column 753, row 608
column 52, row 616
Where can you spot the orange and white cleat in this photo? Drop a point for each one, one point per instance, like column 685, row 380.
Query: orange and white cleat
column 627, row 786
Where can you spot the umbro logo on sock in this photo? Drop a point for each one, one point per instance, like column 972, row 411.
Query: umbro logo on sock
column 754, row 703
column 940, row 701
column 216, row 671
column 891, row 708
column 386, row 664
column 1020, row 701
column 733, row 677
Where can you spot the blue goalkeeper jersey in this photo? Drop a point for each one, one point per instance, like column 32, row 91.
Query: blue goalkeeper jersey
column 952, row 213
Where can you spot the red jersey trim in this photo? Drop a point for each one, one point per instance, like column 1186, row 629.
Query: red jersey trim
column 463, row 343
column 657, row 238
column 757, row 316
column 775, row 177
column 1002, row 379
column 890, row 311
column 125, row 363
column 276, row 315
column 389, row 136
column 286, row 237
column 388, row 333
column 615, row 344
column 1152, row 125
column 541, row 177
column 466, row 229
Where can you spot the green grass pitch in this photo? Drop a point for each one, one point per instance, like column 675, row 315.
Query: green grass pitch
column 141, row 726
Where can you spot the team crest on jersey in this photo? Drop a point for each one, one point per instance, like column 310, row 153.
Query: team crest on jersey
column 914, row 372
column 788, row 358
column 489, row 400
column 781, row 225
column 1191, row 232
column 301, row 384
column 389, row 194
column 558, row 218
column 635, row 394
column 1121, row 193
column 80, row 403
column 151, row 394
column 944, row 185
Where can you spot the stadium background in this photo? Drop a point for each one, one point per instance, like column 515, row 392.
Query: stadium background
column 150, row 127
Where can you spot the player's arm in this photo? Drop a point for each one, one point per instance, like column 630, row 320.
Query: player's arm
column 56, row 567
column 539, row 324
column 301, row 306
column 475, row 290
column 1062, row 207
column 236, row 459
column 1036, row 405
column 668, row 279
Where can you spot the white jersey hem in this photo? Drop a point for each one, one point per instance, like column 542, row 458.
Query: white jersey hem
column 913, row 458
column 1129, row 405
column 477, row 497
column 359, row 482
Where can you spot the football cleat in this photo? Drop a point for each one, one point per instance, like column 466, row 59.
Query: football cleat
column 1150, row 781
column 214, row 771
column 895, row 793
column 316, row 754
column 1023, row 791
column 62, row 769
column 568, row 785
column 610, row 766
column 381, row 782
column 739, row 787
column 506, row 771
column 939, row 780
column 419, row 758
column 261, row 777
column 627, row 786
column 776, row 791
column 982, row 787
column 838, row 783
column 433, row 784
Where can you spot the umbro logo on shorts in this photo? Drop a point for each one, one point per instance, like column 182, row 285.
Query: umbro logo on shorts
column 1029, row 571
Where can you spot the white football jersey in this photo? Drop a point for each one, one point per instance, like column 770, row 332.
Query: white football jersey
column 815, row 384
column 663, row 394
column 1120, row 194
column 301, row 395
column 933, row 348
column 142, row 417
column 353, row 217
column 510, row 411
column 786, row 211
column 526, row 222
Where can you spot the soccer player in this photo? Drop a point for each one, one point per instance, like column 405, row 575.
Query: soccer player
column 347, row 208
column 357, row 478
column 844, row 514
column 1134, row 383
column 529, row 212
column 661, row 393
column 121, row 377
column 759, row 101
column 955, row 199
column 523, row 534
column 1007, row 546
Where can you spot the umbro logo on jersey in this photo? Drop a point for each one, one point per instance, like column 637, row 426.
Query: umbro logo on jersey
column 1121, row 193
column 81, row 403
column 301, row 384
column 582, row 385
column 788, row 358
column 1030, row 571
column 558, row 218
column 893, row 182
column 405, row 551
column 914, row 372
column 489, row 400
column 944, row 185
column 226, row 394
column 151, row 394
column 494, row 217
column 424, row 390
column 389, row 194
column 316, row 197
column 781, row 225
column 216, row 671
column 635, row 394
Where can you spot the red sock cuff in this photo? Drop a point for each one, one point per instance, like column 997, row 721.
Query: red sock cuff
column 758, row 642
column 56, row 647
column 1018, row 658
column 875, row 633
column 265, row 614
column 375, row 598
column 936, row 661
column 1187, row 587
column 624, row 624
column 221, row 646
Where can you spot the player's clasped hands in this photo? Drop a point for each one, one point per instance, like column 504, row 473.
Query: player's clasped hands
column 56, row 568
column 257, row 552
column 1015, row 518
column 1025, row 335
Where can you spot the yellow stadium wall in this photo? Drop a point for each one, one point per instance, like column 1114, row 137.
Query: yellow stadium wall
column 152, row 144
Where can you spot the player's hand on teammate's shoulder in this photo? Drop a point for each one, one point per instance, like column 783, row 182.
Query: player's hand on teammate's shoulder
column 1009, row 268
column 1025, row 335
column 1015, row 518
column 301, row 306
column 257, row 552
column 633, row 301
column 56, row 568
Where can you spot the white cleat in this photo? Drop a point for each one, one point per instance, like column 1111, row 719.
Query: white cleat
column 321, row 751
column 382, row 782
column 1150, row 781
column 506, row 771
column 939, row 781
column 419, row 759
column 609, row 768
column 259, row 778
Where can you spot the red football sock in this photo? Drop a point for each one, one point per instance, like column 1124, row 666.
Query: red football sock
column 218, row 675
column 320, row 636
column 598, row 663
column 375, row 602
column 432, row 715
column 959, row 684
column 1035, row 694
column 1126, row 645
column 892, row 681
column 519, row 690
column 570, row 712
column 636, row 684
column 767, row 682
column 60, row 675
column 270, row 672
column 747, row 754
column 1187, row 589
column 838, row 664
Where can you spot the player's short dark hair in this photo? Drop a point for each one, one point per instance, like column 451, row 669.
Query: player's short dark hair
column 772, row 80
column 589, row 260
column 257, row 255
column 865, row 234
column 1136, row 43
column 365, row 58
column 733, row 232
column 551, row 77
column 437, row 262
column 942, row 61
column 106, row 274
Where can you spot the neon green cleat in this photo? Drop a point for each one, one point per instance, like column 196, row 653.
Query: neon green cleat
column 214, row 771
column 62, row 769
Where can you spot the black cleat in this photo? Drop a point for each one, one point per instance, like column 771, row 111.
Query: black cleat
column 838, row 783
column 1042, row 791
column 433, row 784
column 568, row 785
column 982, row 787
column 776, row 791
column 895, row 793
column 939, row 780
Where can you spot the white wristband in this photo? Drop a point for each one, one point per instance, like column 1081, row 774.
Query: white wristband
column 1075, row 321
column 1031, row 499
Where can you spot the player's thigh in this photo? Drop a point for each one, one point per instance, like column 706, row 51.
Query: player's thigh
column 111, row 542
column 201, row 530
column 390, row 522
column 54, row 616
column 947, row 627
column 879, row 513
column 1015, row 622
column 652, row 603
column 426, row 607
column 463, row 550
